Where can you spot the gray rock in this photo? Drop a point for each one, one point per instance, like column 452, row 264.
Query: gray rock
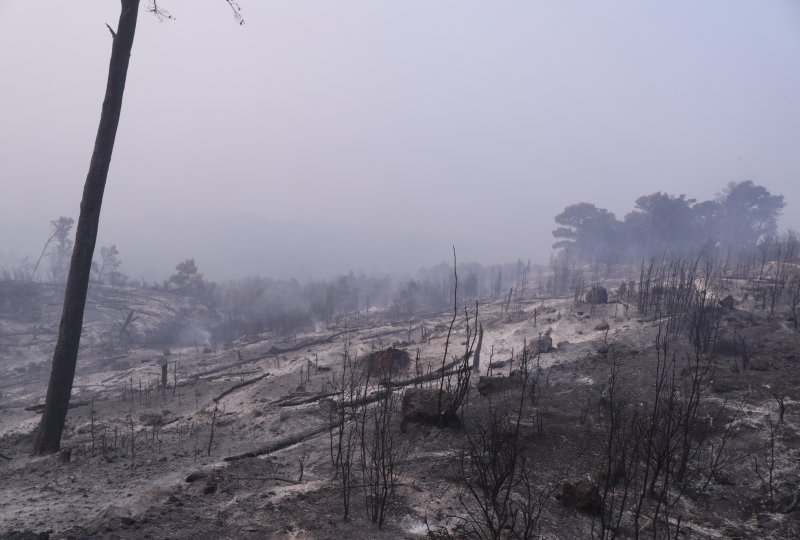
column 758, row 364
column 597, row 295
column 195, row 476
column 424, row 404
column 722, row 385
column 583, row 495
column 495, row 385
column 543, row 344
column 768, row 521
column 112, row 513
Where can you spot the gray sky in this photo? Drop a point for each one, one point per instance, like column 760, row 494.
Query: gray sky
column 372, row 135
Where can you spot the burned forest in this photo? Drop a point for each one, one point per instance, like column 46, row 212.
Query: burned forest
column 651, row 399
column 443, row 270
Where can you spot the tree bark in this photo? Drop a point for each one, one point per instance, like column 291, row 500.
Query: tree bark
column 65, row 356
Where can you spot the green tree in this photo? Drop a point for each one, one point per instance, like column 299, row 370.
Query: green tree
column 186, row 278
column 590, row 232
column 663, row 223
column 747, row 213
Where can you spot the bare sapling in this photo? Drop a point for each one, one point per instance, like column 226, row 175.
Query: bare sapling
column 449, row 333
column 458, row 382
column 211, row 431
column 500, row 497
column 382, row 453
column 344, row 431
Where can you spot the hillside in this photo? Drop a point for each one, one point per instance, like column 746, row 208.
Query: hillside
column 240, row 442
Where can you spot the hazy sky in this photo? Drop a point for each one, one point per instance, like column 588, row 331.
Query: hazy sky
column 373, row 135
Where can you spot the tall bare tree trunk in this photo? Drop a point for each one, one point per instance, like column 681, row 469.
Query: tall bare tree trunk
column 48, row 437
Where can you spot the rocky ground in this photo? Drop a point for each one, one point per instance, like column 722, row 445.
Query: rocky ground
column 141, row 461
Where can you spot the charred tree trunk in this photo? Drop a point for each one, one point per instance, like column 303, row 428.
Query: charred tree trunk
column 476, row 361
column 48, row 436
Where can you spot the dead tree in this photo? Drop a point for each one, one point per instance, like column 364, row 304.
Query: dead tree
column 344, row 431
column 48, row 436
column 500, row 498
column 476, row 363
column 65, row 356
column 382, row 454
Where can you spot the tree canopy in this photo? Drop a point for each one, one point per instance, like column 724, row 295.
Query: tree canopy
column 742, row 215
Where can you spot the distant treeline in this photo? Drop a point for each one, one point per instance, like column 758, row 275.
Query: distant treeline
column 282, row 306
column 286, row 306
column 743, row 214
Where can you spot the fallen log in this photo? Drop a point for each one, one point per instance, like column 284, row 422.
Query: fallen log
column 286, row 442
column 274, row 351
column 72, row 405
column 215, row 370
column 293, row 401
column 432, row 376
column 238, row 386
column 366, row 400
column 265, row 478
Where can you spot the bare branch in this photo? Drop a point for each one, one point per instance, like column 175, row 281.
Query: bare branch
column 237, row 11
column 160, row 13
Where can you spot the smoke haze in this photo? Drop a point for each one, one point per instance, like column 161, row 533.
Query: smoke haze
column 321, row 137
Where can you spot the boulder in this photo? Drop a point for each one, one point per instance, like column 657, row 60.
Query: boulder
column 195, row 476
column 784, row 494
column 597, row 295
column 758, row 364
column 543, row 344
column 583, row 495
column 112, row 515
column 495, row 385
column 151, row 419
column 768, row 521
column 723, row 385
column 424, row 404
column 385, row 363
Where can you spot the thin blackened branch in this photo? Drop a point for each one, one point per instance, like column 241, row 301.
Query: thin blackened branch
column 160, row 13
column 237, row 11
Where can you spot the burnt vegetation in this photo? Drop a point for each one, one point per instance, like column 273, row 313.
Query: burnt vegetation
column 590, row 397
